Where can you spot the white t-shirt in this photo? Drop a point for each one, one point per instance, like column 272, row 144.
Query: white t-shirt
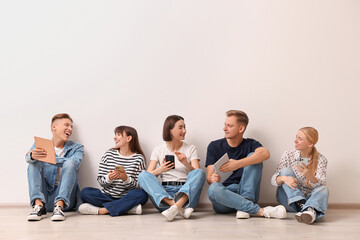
column 180, row 172
column 60, row 153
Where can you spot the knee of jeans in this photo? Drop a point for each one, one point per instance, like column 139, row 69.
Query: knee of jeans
column 143, row 177
column 323, row 190
column 286, row 172
column 199, row 172
column 249, row 154
column 84, row 192
column 255, row 167
column 70, row 165
column 36, row 164
column 214, row 189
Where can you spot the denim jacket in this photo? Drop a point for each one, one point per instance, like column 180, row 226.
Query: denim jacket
column 72, row 152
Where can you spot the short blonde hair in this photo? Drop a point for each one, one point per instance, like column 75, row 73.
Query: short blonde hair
column 241, row 116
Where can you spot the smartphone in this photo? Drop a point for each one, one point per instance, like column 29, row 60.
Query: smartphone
column 303, row 160
column 170, row 158
column 119, row 168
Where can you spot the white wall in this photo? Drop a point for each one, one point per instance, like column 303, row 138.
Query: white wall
column 288, row 64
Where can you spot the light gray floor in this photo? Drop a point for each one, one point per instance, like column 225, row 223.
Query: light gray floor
column 203, row 224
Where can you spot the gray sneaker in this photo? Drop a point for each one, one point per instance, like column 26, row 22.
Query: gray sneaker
column 58, row 214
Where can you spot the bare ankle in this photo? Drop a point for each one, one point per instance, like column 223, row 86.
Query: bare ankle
column 260, row 212
column 103, row 211
column 38, row 202
column 60, row 203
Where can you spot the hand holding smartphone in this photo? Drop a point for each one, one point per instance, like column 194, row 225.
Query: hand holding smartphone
column 119, row 168
column 171, row 159
column 303, row 160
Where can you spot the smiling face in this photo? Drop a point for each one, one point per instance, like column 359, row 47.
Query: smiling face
column 232, row 128
column 121, row 139
column 302, row 143
column 62, row 129
column 179, row 131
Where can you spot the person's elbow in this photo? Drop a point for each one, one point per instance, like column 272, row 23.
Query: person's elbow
column 267, row 154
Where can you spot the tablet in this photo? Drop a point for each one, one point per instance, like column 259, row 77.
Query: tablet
column 48, row 146
column 218, row 164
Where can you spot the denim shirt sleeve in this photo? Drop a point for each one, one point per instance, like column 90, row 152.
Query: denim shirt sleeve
column 27, row 156
column 75, row 154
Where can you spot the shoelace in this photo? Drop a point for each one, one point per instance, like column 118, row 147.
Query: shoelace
column 311, row 210
column 37, row 209
column 58, row 210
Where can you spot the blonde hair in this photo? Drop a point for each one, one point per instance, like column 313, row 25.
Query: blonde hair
column 313, row 136
column 241, row 116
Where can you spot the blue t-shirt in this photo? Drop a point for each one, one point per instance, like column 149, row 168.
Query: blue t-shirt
column 218, row 148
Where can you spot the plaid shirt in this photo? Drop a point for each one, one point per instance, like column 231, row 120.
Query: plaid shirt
column 289, row 160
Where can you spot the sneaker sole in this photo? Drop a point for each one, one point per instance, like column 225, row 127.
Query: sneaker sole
column 304, row 218
column 37, row 218
column 87, row 211
column 57, row 219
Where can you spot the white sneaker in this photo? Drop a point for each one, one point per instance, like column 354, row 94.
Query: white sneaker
column 307, row 216
column 58, row 214
column 171, row 213
column 275, row 212
column 186, row 212
column 242, row 215
column 136, row 210
column 88, row 209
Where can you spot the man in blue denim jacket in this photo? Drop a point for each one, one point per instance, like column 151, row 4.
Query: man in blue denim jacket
column 54, row 187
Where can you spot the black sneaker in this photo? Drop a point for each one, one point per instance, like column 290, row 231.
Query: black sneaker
column 58, row 214
column 37, row 214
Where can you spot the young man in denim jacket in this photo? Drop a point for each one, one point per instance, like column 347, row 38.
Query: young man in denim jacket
column 54, row 187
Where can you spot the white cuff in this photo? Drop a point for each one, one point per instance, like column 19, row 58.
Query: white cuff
column 107, row 179
column 128, row 180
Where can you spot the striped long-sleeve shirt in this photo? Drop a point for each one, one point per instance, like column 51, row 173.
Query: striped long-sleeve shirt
column 133, row 166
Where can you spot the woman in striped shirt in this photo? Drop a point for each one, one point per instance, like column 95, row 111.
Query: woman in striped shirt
column 302, row 186
column 118, row 175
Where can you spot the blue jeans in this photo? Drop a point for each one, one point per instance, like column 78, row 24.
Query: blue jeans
column 39, row 188
column 192, row 188
column 115, row 206
column 242, row 196
column 287, row 197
